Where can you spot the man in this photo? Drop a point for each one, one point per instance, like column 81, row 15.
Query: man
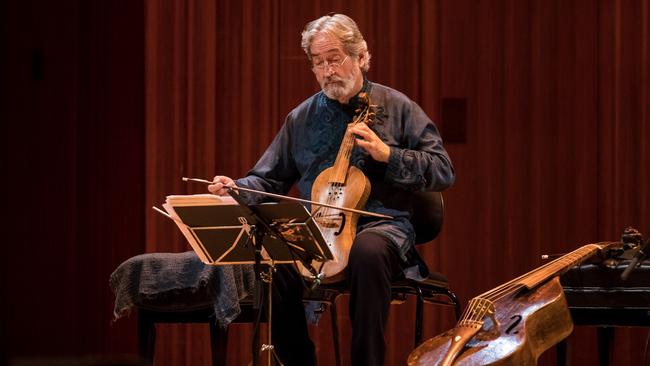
column 401, row 153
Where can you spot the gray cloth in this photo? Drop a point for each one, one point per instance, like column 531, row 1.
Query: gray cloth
column 180, row 281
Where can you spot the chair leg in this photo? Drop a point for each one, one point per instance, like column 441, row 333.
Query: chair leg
column 146, row 337
column 454, row 300
column 218, row 343
column 605, row 338
column 419, row 314
column 561, row 353
column 335, row 332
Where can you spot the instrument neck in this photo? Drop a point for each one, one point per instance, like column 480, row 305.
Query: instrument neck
column 483, row 304
column 542, row 274
column 558, row 266
column 342, row 163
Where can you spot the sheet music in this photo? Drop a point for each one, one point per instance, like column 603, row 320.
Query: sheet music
column 204, row 226
column 216, row 227
column 204, row 199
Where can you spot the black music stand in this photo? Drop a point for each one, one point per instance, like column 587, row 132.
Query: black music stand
column 223, row 232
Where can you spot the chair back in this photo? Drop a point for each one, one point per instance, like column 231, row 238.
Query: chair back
column 428, row 214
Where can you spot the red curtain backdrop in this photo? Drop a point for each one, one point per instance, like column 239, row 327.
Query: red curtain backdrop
column 544, row 107
column 548, row 142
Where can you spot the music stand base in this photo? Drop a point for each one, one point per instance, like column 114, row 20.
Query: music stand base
column 272, row 357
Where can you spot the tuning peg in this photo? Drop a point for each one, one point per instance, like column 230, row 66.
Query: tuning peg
column 363, row 97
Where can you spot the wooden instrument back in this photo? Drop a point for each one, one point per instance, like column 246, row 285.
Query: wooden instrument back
column 511, row 324
column 528, row 325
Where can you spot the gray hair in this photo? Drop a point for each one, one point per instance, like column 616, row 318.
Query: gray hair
column 344, row 29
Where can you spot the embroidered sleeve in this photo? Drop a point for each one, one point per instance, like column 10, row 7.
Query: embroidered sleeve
column 420, row 163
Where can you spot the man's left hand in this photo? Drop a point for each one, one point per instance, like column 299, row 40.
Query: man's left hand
column 368, row 140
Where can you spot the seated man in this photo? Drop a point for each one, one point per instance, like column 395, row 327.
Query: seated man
column 401, row 153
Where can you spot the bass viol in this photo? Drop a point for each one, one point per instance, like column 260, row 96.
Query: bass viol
column 511, row 324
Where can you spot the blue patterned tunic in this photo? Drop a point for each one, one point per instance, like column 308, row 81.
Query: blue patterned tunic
column 309, row 140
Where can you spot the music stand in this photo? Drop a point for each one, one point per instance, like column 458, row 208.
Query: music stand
column 226, row 231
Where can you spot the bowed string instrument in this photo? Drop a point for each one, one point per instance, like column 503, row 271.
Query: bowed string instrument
column 341, row 185
column 514, row 323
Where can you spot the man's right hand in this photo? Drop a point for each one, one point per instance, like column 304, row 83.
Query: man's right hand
column 218, row 183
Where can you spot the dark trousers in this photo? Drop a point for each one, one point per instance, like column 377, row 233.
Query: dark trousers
column 373, row 263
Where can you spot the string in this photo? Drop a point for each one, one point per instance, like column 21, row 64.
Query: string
column 542, row 272
column 479, row 306
column 340, row 169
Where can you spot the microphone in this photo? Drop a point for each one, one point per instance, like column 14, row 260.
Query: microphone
column 638, row 257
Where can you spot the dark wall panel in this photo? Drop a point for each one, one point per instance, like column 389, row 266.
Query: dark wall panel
column 73, row 162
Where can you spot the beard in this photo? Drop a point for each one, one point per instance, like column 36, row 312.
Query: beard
column 336, row 87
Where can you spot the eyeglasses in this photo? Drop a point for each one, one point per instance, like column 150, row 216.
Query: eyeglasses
column 335, row 62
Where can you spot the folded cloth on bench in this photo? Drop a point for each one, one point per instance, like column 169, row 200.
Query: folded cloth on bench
column 180, row 282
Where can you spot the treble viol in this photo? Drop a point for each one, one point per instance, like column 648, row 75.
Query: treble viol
column 511, row 324
column 340, row 185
